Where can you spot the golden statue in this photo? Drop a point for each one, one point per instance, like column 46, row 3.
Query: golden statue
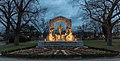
column 51, row 37
column 60, row 29
column 70, row 37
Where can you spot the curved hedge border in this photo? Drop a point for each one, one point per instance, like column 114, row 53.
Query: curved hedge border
column 5, row 53
column 112, row 54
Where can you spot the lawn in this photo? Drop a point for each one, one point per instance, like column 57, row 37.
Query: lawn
column 102, row 44
column 11, row 46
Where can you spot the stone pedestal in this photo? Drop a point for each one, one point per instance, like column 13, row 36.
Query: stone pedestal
column 63, row 44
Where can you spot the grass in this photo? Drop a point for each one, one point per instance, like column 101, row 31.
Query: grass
column 21, row 45
column 102, row 44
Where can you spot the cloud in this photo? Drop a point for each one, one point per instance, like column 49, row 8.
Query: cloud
column 61, row 8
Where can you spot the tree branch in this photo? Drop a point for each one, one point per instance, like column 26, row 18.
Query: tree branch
column 112, row 9
column 27, row 5
column 90, row 13
column 3, row 21
column 117, row 21
column 116, row 14
column 23, row 25
column 13, row 20
column 16, row 3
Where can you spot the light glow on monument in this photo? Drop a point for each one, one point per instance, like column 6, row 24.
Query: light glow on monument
column 67, row 36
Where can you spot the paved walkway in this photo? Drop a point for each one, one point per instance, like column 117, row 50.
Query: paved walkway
column 19, row 59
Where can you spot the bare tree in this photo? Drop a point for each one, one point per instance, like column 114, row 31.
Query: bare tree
column 106, row 12
column 15, row 14
column 6, row 12
column 24, row 14
column 94, row 27
column 41, row 25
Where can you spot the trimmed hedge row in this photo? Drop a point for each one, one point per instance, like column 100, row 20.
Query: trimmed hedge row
column 111, row 54
column 103, row 49
column 41, row 56
column 60, row 56
column 5, row 52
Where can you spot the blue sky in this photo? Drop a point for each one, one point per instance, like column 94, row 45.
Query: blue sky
column 62, row 8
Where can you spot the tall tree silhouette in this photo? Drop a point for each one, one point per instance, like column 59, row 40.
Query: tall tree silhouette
column 106, row 12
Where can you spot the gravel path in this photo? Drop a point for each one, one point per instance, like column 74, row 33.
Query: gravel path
column 19, row 59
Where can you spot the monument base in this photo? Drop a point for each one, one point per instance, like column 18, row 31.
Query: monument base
column 60, row 44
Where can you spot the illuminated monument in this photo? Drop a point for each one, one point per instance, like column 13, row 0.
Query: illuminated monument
column 52, row 37
column 66, row 39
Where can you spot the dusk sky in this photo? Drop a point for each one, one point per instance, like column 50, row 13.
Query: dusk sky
column 62, row 8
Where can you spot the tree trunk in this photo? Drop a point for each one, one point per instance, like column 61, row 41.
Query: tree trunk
column 109, row 38
column 104, row 30
column 105, row 37
column 16, row 39
column 7, row 34
column 6, row 38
